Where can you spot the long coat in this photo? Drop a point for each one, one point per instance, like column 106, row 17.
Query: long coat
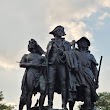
column 86, row 75
column 67, row 47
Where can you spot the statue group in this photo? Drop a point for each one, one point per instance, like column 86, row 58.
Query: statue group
column 68, row 70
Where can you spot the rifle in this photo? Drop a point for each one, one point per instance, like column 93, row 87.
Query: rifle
column 99, row 70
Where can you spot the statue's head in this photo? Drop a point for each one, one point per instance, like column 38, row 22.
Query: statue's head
column 32, row 45
column 58, row 31
column 83, row 42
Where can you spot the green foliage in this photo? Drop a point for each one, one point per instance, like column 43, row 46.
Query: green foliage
column 4, row 106
column 104, row 101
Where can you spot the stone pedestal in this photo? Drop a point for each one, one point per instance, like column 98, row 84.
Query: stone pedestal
column 45, row 108
column 37, row 108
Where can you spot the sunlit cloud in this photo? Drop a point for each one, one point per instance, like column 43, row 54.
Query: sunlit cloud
column 7, row 66
column 100, row 23
column 105, row 3
column 70, row 9
column 77, row 30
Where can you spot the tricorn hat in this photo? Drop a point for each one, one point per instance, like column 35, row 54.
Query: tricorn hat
column 59, row 30
column 83, row 39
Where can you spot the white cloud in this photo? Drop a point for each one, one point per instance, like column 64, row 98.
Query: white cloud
column 77, row 30
column 101, row 19
column 105, row 3
column 6, row 64
column 104, row 15
column 99, row 24
column 21, row 20
column 70, row 14
column 67, row 10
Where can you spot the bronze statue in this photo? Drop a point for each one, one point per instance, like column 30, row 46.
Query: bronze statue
column 34, row 79
column 69, row 71
column 57, row 70
column 85, row 78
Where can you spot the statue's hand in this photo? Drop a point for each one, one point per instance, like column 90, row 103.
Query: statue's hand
column 73, row 42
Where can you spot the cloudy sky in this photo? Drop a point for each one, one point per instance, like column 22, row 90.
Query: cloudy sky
column 21, row 20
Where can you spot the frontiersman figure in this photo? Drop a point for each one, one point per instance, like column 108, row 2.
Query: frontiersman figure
column 86, row 76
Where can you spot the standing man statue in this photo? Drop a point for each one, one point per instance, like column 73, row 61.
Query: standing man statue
column 86, row 76
column 34, row 78
column 57, row 70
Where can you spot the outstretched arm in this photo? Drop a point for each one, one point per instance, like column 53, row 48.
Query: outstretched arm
column 23, row 62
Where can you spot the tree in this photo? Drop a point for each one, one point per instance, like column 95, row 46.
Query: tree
column 4, row 106
column 104, row 101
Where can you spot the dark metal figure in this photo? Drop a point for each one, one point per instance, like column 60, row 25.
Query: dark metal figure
column 34, row 77
column 85, row 79
column 57, row 70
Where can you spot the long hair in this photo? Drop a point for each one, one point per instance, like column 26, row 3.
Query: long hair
column 35, row 45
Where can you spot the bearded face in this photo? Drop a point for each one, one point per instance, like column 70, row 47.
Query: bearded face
column 82, row 44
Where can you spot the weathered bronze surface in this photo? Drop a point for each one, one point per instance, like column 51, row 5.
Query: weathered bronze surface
column 65, row 69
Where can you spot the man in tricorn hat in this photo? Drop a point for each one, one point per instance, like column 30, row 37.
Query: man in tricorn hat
column 57, row 65
column 86, row 76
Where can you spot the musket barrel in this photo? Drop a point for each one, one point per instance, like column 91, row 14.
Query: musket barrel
column 100, row 64
column 99, row 69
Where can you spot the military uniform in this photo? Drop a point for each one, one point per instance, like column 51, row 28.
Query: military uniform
column 57, row 68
